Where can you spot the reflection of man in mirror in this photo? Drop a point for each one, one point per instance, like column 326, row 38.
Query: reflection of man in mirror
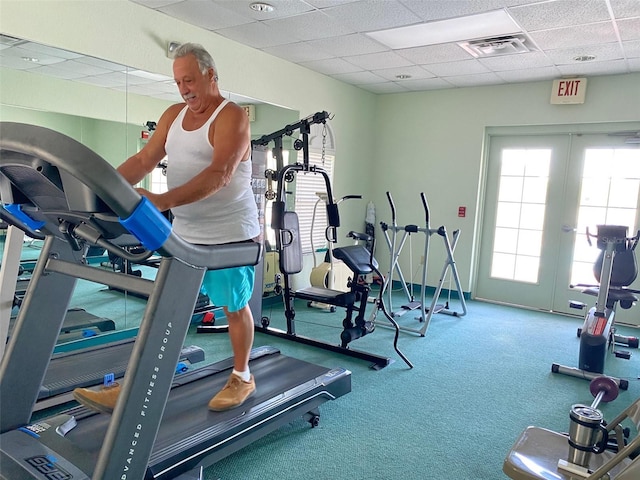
column 207, row 142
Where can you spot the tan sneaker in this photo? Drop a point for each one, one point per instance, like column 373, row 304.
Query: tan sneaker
column 234, row 394
column 103, row 400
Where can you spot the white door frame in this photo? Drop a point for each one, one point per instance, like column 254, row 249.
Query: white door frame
column 596, row 128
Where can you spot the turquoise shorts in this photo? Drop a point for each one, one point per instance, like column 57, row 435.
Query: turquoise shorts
column 229, row 287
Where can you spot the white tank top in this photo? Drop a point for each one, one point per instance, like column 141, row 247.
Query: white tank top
column 230, row 214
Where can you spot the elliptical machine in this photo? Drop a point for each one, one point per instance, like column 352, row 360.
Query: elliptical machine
column 615, row 269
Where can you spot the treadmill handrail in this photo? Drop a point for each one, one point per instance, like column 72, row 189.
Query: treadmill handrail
column 22, row 142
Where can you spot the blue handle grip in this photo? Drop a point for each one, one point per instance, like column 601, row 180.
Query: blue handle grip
column 15, row 209
column 148, row 225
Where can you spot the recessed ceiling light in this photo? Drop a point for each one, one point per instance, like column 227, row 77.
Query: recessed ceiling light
column 31, row 59
column 584, row 58
column 262, row 7
column 403, row 76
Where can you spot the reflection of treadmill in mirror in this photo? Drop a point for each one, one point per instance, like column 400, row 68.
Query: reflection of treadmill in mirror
column 78, row 322
column 59, row 187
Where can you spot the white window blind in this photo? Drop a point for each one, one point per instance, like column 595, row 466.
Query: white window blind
column 305, row 200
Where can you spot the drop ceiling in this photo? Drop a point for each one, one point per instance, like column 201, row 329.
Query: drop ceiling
column 364, row 42
column 339, row 38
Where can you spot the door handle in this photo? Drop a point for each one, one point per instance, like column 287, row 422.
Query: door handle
column 569, row 229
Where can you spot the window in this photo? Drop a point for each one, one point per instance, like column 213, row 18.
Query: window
column 521, row 208
column 158, row 179
column 608, row 196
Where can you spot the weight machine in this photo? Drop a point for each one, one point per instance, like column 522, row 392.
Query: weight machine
column 615, row 269
column 356, row 257
column 395, row 250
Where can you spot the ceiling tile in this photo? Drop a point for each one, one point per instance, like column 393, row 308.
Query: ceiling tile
column 625, row 8
column 347, row 45
column 257, row 35
column 282, row 8
column 331, row 66
column 17, row 63
column 359, row 78
column 566, row 56
column 629, row 29
column 98, row 62
column 568, row 37
column 298, row 52
column 118, row 78
column 81, row 68
column 462, row 67
column 595, row 68
column 388, row 87
column 431, row 10
column 374, row 61
column 434, row 54
column 208, row 15
column 529, row 74
column 426, row 84
column 631, row 49
column 103, row 81
column 369, row 15
column 309, row 26
column 560, row 13
column 414, row 71
column 473, row 80
column 54, row 71
column 155, row 3
column 328, row 3
column 46, row 51
column 39, row 58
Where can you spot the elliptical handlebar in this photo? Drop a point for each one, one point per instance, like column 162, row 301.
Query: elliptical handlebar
column 393, row 208
column 423, row 197
column 350, row 197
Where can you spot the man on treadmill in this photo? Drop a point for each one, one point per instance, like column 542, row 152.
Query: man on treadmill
column 207, row 143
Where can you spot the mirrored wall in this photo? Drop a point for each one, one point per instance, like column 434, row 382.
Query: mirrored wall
column 105, row 106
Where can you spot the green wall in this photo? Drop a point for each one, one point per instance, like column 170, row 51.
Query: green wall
column 434, row 142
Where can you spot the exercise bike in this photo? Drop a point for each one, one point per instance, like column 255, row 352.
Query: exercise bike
column 615, row 269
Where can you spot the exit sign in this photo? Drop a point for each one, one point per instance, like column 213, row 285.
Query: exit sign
column 568, row 91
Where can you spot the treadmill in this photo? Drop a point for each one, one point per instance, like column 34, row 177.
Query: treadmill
column 54, row 185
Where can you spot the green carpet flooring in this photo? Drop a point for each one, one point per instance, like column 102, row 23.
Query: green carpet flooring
column 478, row 381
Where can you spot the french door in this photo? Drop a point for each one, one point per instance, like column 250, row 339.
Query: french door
column 542, row 192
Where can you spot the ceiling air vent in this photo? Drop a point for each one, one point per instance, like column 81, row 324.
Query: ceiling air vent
column 496, row 46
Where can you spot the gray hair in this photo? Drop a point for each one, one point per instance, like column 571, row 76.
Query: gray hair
column 205, row 60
